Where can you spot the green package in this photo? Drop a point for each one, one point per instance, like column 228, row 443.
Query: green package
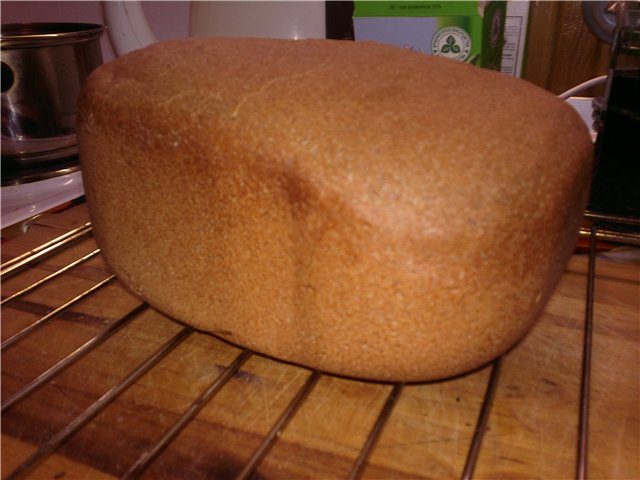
column 467, row 31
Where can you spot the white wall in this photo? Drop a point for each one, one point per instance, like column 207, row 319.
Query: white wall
column 168, row 19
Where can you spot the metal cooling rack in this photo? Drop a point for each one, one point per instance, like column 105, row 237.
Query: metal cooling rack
column 19, row 264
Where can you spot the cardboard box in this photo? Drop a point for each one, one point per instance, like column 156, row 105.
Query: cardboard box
column 467, row 31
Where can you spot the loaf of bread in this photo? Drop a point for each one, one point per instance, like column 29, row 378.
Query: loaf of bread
column 348, row 206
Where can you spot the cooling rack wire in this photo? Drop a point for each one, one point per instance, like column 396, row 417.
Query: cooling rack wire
column 46, row 447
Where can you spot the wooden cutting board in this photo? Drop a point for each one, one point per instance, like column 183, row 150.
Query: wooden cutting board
column 532, row 429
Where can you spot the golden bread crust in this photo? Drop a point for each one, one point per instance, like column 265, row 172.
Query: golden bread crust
column 349, row 206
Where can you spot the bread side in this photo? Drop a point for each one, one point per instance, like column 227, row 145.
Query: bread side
column 349, row 206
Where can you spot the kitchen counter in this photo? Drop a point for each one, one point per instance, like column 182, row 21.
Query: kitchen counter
column 135, row 374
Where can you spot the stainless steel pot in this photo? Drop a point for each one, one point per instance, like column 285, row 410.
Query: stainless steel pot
column 43, row 68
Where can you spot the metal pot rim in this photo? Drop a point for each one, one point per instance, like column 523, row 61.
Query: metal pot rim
column 24, row 35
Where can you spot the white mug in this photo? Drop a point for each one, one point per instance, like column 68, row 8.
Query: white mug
column 129, row 30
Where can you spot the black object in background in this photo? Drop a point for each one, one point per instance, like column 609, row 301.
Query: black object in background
column 616, row 183
column 339, row 20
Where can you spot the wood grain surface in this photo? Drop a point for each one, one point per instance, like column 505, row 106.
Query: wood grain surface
column 561, row 50
column 532, row 430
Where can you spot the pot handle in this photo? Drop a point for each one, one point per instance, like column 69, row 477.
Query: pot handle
column 127, row 26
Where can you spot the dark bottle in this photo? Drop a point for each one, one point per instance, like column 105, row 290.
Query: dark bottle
column 616, row 183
